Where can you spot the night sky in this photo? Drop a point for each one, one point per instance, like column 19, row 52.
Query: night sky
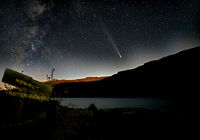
column 81, row 38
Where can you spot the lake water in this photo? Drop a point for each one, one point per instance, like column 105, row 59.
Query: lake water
column 151, row 103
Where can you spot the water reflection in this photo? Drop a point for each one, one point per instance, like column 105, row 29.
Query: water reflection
column 151, row 103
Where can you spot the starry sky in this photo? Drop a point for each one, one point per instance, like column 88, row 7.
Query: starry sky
column 81, row 38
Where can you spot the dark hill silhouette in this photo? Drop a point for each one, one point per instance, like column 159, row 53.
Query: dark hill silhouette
column 174, row 76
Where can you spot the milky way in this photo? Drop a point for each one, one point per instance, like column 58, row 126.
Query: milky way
column 82, row 38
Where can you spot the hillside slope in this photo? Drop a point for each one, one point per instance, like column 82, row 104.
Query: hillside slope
column 171, row 76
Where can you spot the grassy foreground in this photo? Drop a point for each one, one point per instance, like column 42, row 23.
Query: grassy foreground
column 24, row 118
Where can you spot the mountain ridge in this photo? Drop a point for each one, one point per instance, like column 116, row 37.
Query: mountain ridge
column 86, row 79
column 169, row 76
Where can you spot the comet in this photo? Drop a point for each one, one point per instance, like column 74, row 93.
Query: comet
column 110, row 38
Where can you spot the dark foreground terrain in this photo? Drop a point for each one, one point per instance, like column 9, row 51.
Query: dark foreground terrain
column 32, row 120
